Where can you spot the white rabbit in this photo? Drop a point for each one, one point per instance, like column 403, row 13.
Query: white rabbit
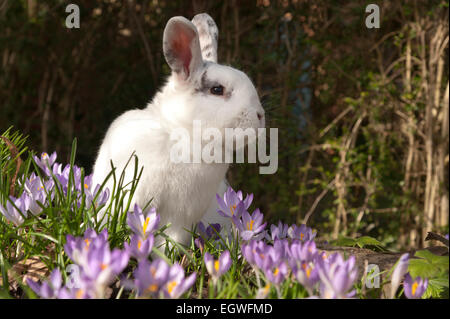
column 198, row 89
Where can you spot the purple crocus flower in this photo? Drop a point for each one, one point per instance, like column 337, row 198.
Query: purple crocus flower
column 53, row 289
column 280, row 249
column 254, row 249
column 264, row 257
column 250, row 226
column 13, row 214
column 151, row 277
column 77, row 182
column 258, row 254
column 62, row 175
column 308, row 275
column 414, row 289
column 177, row 284
column 103, row 265
column 76, row 293
column 36, row 190
column 57, row 169
column 139, row 248
column 143, row 224
column 216, row 268
column 90, row 196
column 301, row 232
column 200, row 243
column 279, row 231
column 78, row 247
column 48, row 289
column 46, row 162
column 210, row 232
column 337, row 276
column 263, row 292
column 157, row 279
column 270, row 259
column 87, row 183
column 34, row 184
column 233, row 203
column 399, row 272
column 276, row 271
column 98, row 264
column 303, row 252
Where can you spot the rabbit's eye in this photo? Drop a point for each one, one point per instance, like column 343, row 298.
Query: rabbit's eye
column 217, row 90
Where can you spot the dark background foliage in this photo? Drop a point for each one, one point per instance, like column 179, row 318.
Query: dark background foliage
column 362, row 113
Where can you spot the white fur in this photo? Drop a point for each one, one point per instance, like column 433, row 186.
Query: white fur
column 182, row 193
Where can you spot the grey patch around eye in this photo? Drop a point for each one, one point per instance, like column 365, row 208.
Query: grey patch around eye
column 205, row 86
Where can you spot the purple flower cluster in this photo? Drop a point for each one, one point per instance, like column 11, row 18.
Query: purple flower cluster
column 153, row 279
column 270, row 259
column 38, row 193
column 159, row 280
column 282, row 231
column 285, row 251
column 251, row 226
column 143, row 225
column 51, row 168
column 96, row 268
column 49, row 289
column 234, row 206
column 332, row 275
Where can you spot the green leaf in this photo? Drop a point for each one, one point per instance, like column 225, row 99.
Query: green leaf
column 422, row 268
column 344, row 241
column 361, row 242
column 435, row 288
column 366, row 240
column 442, row 282
column 439, row 261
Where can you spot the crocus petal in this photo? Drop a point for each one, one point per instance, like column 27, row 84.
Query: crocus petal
column 397, row 275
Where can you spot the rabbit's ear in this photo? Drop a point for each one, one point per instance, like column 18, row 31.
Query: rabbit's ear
column 181, row 47
column 208, row 34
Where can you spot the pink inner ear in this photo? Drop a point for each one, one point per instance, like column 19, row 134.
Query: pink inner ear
column 181, row 44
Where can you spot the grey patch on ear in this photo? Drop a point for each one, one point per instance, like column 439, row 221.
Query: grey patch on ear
column 210, row 22
column 172, row 60
column 208, row 36
column 207, row 48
